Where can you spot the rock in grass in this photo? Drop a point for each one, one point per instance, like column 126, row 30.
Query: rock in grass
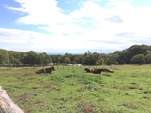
column 6, row 104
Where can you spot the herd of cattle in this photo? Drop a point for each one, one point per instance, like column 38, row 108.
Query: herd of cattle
column 90, row 70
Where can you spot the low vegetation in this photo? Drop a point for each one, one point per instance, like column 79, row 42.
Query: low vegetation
column 70, row 89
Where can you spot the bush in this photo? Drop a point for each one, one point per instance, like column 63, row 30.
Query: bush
column 138, row 59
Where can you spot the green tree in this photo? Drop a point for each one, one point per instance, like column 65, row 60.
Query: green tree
column 44, row 59
column 126, row 55
column 138, row 59
column 112, row 58
column 4, row 56
column 30, row 58
column 78, row 59
column 92, row 58
column 148, row 58
column 67, row 60
column 15, row 57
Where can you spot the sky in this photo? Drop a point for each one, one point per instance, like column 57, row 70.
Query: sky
column 74, row 26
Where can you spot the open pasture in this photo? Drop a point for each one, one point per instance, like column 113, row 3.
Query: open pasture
column 71, row 90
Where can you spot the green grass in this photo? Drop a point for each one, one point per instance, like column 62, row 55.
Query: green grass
column 72, row 90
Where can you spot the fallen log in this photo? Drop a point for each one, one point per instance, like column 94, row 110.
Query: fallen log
column 6, row 104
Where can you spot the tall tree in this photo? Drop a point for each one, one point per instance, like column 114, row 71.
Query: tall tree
column 30, row 58
column 91, row 58
column 15, row 57
column 112, row 58
column 148, row 58
column 4, row 57
column 138, row 59
column 66, row 60
column 127, row 54
column 44, row 59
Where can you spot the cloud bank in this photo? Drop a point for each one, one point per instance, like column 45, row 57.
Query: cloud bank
column 115, row 25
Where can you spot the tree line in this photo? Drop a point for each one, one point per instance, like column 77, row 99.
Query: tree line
column 136, row 54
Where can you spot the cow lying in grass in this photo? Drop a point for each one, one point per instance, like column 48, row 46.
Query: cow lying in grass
column 98, row 71
column 89, row 69
column 45, row 70
column 107, row 70
column 93, row 70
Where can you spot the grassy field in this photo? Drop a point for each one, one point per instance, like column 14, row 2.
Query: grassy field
column 72, row 90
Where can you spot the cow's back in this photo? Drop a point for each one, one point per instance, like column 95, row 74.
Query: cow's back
column 49, row 70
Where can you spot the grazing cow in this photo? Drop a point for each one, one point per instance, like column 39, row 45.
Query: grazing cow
column 45, row 70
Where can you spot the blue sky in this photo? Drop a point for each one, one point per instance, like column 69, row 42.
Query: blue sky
column 74, row 26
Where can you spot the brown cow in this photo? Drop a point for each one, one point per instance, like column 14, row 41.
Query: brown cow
column 97, row 71
column 107, row 70
column 93, row 70
column 89, row 69
column 45, row 70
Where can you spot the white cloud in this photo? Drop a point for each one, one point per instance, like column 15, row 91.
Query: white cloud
column 114, row 27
